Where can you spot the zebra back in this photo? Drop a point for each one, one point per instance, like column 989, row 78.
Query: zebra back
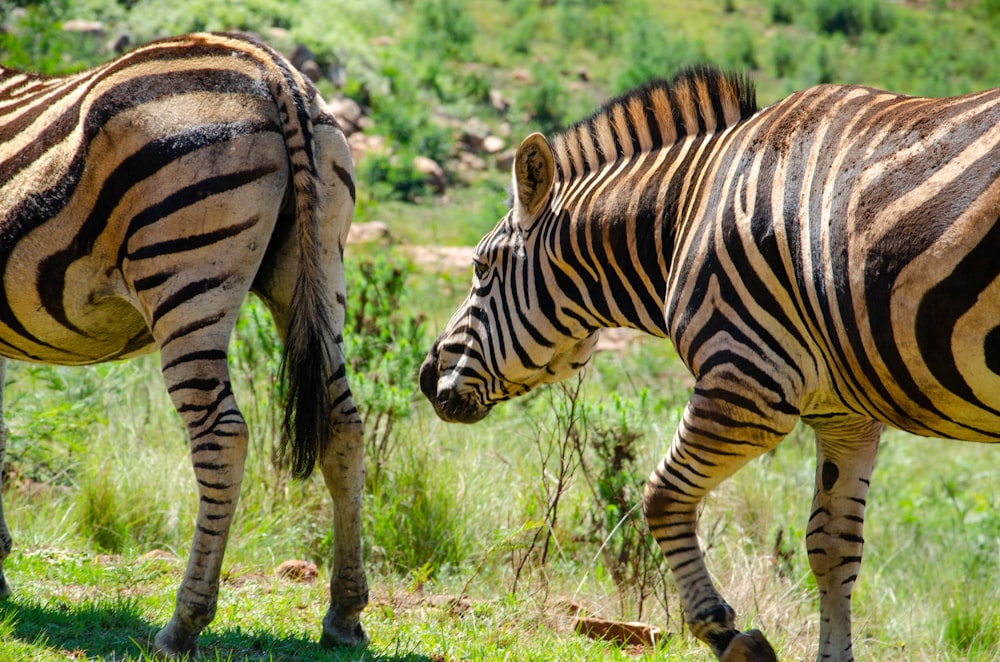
column 52, row 128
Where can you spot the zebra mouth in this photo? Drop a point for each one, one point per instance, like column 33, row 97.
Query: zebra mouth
column 449, row 404
column 459, row 410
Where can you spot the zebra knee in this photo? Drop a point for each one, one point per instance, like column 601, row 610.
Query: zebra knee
column 663, row 499
column 342, row 459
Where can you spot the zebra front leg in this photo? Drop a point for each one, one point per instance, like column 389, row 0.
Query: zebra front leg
column 6, row 542
column 709, row 446
column 198, row 383
column 344, row 472
column 845, row 457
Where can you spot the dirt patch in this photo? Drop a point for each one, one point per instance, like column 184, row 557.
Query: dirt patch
column 441, row 258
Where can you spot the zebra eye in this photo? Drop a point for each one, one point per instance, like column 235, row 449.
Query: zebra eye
column 480, row 269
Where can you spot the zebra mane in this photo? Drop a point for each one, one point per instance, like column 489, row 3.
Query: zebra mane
column 697, row 101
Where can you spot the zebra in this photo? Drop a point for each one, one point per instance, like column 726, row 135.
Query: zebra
column 830, row 259
column 140, row 202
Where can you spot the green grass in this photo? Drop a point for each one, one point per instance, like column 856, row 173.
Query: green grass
column 927, row 588
column 464, row 511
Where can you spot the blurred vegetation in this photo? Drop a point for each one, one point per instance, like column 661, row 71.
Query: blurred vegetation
column 413, row 63
column 542, row 498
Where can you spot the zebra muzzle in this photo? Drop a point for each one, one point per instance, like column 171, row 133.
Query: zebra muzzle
column 450, row 403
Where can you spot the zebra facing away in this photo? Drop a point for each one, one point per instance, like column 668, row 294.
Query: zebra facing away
column 831, row 258
column 139, row 203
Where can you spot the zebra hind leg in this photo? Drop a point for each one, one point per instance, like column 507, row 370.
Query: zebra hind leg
column 845, row 457
column 196, row 374
column 5, row 540
column 342, row 465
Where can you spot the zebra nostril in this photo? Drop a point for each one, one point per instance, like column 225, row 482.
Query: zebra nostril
column 429, row 377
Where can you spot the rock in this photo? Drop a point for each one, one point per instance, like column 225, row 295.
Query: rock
column 505, row 160
column 442, row 258
column 274, row 33
column 474, row 132
column 362, row 144
column 304, row 60
column 296, row 570
column 81, row 26
column 119, row 44
column 362, row 233
column 629, row 634
column 337, row 75
column 432, row 172
column 470, row 161
column 300, row 54
column 348, row 113
column 311, row 70
column 493, row 144
column 499, row 103
column 158, row 555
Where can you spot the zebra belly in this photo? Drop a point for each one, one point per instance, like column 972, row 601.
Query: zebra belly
column 111, row 329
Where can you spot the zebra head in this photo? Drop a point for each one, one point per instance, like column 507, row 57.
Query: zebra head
column 513, row 332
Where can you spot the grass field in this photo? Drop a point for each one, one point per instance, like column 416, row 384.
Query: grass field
column 482, row 542
column 455, row 524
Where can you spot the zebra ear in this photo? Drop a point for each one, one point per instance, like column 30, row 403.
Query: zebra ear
column 534, row 173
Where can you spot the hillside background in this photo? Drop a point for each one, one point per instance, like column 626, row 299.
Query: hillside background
column 434, row 78
column 485, row 542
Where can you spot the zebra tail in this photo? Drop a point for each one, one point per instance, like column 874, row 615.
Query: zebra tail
column 305, row 364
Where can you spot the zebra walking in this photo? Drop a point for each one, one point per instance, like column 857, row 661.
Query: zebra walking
column 831, row 258
column 139, row 203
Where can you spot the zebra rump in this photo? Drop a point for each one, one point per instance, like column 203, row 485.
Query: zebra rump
column 140, row 202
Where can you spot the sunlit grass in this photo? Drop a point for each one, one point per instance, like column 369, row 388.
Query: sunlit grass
column 458, row 507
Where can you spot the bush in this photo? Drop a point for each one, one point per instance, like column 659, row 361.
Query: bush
column 385, row 343
column 852, row 17
column 416, row 519
column 652, row 51
column 35, row 41
column 783, row 11
column 150, row 19
column 784, row 56
column 443, row 28
column 630, row 554
column 739, row 52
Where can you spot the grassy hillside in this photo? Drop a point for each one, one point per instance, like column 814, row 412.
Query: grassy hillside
column 479, row 540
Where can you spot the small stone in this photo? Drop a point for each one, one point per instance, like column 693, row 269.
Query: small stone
column 493, row 144
column 295, row 570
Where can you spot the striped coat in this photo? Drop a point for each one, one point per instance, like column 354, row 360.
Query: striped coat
column 140, row 202
column 826, row 259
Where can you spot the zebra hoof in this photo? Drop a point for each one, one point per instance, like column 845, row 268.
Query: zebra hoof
column 346, row 632
column 4, row 587
column 749, row 646
column 171, row 647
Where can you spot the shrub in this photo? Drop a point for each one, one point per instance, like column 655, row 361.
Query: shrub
column 544, row 101
column 631, row 556
column 852, row 17
column 442, row 27
column 784, row 11
column 150, row 19
column 385, row 343
column 35, row 41
column 784, row 56
column 416, row 520
column 651, row 50
column 738, row 51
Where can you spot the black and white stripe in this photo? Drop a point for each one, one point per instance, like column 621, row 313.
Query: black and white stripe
column 829, row 259
column 139, row 203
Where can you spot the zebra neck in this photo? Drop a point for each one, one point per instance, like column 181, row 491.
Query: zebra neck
column 619, row 242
